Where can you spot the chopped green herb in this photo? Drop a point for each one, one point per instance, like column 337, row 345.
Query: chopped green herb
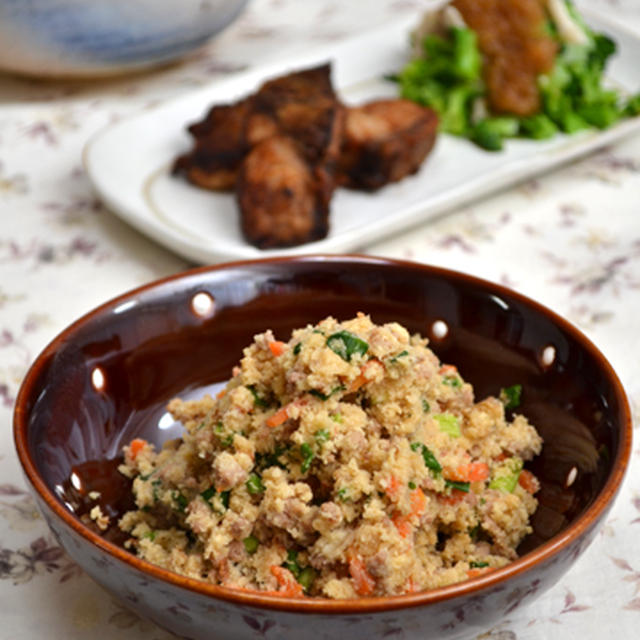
column 180, row 501
column 430, row 460
column 201, row 426
column 151, row 535
column 219, row 428
column 207, row 494
column 460, row 486
column 307, row 456
column 343, row 494
column 426, row 407
column 411, row 485
column 337, row 417
column 326, row 396
column 258, row 401
column 322, row 435
column 251, row 544
column 320, row 331
column 452, row 381
column 478, row 565
column 224, row 498
column 266, row 460
column 402, row 354
column 254, row 484
column 156, row 484
column 448, row 424
column 473, row 532
column 291, row 563
column 307, row 577
column 345, row 344
column 297, row 348
column 511, row 396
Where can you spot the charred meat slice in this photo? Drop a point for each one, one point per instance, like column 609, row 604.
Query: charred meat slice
column 384, row 141
column 281, row 201
column 512, row 37
column 218, row 150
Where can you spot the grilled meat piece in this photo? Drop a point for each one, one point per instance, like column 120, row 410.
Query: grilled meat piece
column 517, row 50
column 294, row 122
column 281, row 200
column 219, row 148
column 384, row 141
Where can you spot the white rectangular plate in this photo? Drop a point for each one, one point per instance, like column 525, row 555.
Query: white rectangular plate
column 129, row 162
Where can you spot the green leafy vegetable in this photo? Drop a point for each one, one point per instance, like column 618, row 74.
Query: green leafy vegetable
column 297, row 348
column 511, row 396
column 448, row 78
column 448, row 423
column 180, row 500
column 207, row 494
column 345, row 344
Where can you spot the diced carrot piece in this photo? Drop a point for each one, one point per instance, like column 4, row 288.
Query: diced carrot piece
column 529, row 482
column 363, row 583
column 363, row 378
column 471, row 472
column 289, row 586
column 402, row 523
column 448, row 369
column 277, row 347
column 221, row 393
column 136, row 447
column 410, row 586
column 393, row 489
column 277, row 418
column 418, row 502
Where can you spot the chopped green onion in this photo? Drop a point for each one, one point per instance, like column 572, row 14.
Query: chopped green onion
column 345, row 344
column 207, row 494
column 460, row 486
column 254, row 484
column 402, row 354
column 180, row 500
column 307, row 456
column 291, row 563
column 430, row 460
column 297, row 348
column 343, row 494
column 326, row 396
column 452, row 381
column 258, row 401
column 509, row 481
column 151, row 535
column 426, row 407
column 337, row 417
column 448, row 423
column 322, row 435
column 224, row 498
column 251, row 544
column 478, row 565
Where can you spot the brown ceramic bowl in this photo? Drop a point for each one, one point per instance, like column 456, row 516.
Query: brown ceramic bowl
column 108, row 377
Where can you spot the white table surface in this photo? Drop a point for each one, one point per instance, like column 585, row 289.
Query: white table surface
column 570, row 239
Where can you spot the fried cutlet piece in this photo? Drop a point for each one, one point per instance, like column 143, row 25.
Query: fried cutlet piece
column 219, row 148
column 511, row 35
column 385, row 141
column 281, row 201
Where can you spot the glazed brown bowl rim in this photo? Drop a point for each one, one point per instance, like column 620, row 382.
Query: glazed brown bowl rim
column 324, row 605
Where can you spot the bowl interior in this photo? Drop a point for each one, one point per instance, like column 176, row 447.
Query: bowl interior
column 108, row 378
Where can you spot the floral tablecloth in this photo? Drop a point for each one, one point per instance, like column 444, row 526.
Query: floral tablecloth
column 570, row 240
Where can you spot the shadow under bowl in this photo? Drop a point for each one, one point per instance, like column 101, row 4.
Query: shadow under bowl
column 107, row 378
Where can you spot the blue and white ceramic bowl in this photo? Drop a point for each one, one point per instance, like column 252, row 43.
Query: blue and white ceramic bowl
column 104, row 37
